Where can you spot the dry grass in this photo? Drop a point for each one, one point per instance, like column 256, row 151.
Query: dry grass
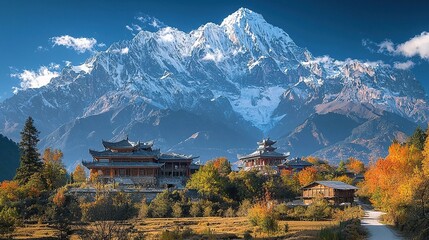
column 219, row 228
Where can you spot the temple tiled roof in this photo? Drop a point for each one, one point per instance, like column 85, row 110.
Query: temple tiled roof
column 126, row 144
column 122, row 164
column 298, row 162
column 266, row 142
column 135, row 154
column 261, row 153
column 175, row 157
column 265, row 149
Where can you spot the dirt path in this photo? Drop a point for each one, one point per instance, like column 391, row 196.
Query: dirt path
column 377, row 230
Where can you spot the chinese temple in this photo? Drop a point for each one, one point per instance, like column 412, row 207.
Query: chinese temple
column 138, row 163
column 265, row 155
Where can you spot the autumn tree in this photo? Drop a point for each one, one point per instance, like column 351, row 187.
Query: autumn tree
column 222, row 165
column 354, row 165
column 79, row 174
column 307, row 176
column 30, row 158
column 208, row 181
column 54, row 171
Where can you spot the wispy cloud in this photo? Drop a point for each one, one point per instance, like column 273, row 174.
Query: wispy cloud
column 145, row 22
column 417, row 46
column 80, row 45
column 404, row 65
column 36, row 78
column 41, row 49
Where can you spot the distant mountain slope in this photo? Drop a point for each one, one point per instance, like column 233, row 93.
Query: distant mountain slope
column 230, row 84
column 9, row 158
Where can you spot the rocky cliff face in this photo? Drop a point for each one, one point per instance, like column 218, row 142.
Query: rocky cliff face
column 218, row 89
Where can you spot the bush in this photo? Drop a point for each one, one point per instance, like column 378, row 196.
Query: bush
column 177, row 210
column 318, row 210
column 229, row 212
column 107, row 207
column 350, row 230
column 263, row 216
column 208, row 211
column 176, row 234
column 281, row 211
column 244, row 207
column 8, row 220
column 195, row 210
column 297, row 212
column 144, row 209
column 348, row 213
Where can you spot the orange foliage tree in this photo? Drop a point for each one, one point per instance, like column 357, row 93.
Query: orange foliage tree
column 307, row 175
column 391, row 181
column 79, row 174
column 354, row 165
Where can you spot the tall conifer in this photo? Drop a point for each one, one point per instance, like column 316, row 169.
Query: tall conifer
column 30, row 162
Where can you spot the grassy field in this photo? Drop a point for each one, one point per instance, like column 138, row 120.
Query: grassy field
column 214, row 227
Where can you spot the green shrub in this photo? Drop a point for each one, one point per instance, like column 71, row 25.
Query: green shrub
column 195, row 210
column 8, row 220
column 177, row 210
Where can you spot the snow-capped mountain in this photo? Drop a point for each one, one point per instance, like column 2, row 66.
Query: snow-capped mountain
column 216, row 90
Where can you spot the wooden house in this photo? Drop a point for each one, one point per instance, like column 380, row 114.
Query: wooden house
column 334, row 191
column 129, row 162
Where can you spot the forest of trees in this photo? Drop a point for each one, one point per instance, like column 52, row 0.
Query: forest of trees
column 399, row 185
column 9, row 158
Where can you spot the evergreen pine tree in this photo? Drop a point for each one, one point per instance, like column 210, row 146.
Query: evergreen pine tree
column 418, row 138
column 30, row 158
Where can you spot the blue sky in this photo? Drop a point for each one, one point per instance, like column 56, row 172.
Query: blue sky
column 38, row 38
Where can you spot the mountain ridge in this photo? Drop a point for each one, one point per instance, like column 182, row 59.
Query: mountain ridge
column 246, row 74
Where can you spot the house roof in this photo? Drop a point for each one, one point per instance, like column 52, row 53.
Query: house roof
column 333, row 184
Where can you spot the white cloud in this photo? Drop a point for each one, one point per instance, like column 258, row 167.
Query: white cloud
column 404, row 65
column 36, row 79
column 386, row 45
column 81, row 45
column 416, row 46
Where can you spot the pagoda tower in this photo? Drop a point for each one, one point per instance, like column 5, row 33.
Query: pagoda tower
column 265, row 155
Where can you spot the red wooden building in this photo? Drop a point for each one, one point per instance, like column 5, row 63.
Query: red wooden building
column 137, row 163
column 265, row 155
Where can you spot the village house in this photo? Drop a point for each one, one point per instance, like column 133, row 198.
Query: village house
column 335, row 192
column 137, row 163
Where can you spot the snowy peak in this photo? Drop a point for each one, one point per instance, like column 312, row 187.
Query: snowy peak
column 243, row 16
